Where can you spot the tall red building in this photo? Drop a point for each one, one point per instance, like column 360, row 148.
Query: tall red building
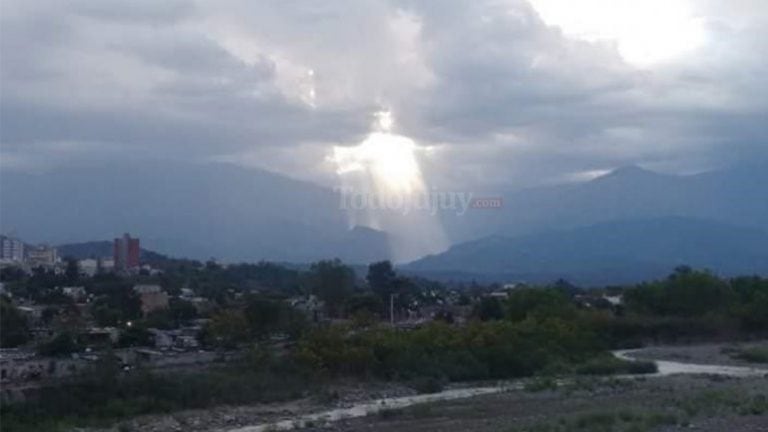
column 126, row 253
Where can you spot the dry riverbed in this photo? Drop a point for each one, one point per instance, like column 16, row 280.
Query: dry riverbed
column 660, row 403
column 708, row 354
column 684, row 402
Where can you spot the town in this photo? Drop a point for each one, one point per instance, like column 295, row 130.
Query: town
column 62, row 314
column 95, row 329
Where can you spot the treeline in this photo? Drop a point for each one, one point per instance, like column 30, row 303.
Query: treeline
column 558, row 329
column 106, row 393
column 687, row 306
column 688, row 293
column 477, row 351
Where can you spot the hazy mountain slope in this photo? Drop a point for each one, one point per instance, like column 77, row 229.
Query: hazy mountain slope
column 91, row 249
column 101, row 249
column 737, row 196
column 609, row 252
column 195, row 211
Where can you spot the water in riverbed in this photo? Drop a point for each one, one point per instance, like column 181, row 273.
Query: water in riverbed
column 665, row 368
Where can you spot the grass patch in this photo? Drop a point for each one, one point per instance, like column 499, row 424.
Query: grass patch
column 607, row 421
column 752, row 355
column 428, row 384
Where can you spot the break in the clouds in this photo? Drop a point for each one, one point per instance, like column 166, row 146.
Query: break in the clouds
column 492, row 92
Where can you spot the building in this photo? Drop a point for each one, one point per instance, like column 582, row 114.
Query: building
column 89, row 267
column 106, row 264
column 44, row 256
column 126, row 253
column 76, row 293
column 152, row 297
column 11, row 249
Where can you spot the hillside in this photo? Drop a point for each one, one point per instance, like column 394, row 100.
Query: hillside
column 187, row 210
column 610, row 252
column 101, row 249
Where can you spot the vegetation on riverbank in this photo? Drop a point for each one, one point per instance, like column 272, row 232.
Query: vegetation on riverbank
column 546, row 331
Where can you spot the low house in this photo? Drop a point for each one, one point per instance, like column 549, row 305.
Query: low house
column 77, row 293
column 88, row 267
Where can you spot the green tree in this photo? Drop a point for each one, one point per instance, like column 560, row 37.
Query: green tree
column 135, row 336
column 61, row 345
column 14, row 329
column 116, row 303
column 365, row 303
column 751, row 302
column 489, row 308
column 382, row 279
column 685, row 292
column 538, row 303
column 227, row 329
column 181, row 311
column 264, row 316
column 72, row 272
column 333, row 283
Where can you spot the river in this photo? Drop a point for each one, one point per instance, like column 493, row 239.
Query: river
column 665, row 368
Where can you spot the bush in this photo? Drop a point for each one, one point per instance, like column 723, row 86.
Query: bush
column 428, row 385
column 752, row 355
column 481, row 350
column 62, row 344
column 614, row 366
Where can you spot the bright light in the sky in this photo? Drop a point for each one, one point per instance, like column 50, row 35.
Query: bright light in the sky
column 389, row 159
column 385, row 168
column 646, row 31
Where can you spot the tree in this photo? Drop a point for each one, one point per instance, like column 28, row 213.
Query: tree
column 61, row 345
column 135, row 336
column 332, row 282
column 72, row 272
column 227, row 329
column 182, row 310
column 685, row 292
column 117, row 303
column 14, row 329
column 489, row 308
column 538, row 303
column 382, row 279
column 263, row 315
column 365, row 303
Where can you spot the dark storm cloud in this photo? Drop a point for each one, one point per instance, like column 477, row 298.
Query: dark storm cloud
column 502, row 96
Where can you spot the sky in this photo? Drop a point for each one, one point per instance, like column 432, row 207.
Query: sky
column 462, row 93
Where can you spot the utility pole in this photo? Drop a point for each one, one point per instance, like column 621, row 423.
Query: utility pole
column 392, row 310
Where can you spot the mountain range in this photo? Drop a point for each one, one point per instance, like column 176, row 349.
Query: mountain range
column 629, row 224
column 735, row 196
column 623, row 251
column 192, row 211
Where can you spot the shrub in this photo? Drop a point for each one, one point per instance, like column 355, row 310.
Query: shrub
column 752, row 355
column 428, row 384
column 613, row 366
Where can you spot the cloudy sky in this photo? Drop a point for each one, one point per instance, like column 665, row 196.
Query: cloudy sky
column 489, row 92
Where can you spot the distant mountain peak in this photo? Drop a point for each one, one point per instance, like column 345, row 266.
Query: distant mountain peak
column 630, row 172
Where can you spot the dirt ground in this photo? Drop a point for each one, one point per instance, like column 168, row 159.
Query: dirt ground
column 646, row 404
column 698, row 403
column 710, row 354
